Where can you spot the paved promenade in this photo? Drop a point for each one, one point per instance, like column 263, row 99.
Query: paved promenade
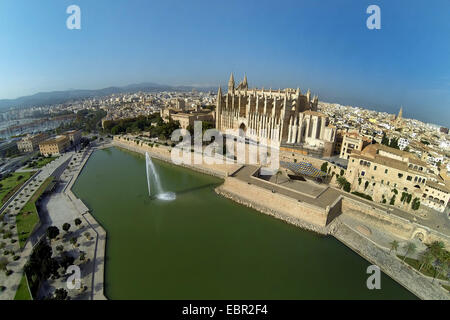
column 11, row 282
column 405, row 275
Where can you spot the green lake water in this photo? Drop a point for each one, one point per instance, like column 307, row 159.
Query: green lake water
column 203, row 246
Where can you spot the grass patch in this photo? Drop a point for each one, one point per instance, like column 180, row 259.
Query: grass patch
column 41, row 162
column 362, row 195
column 28, row 217
column 428, row 271
column 11, row 184
column 446, row 287
column 23, row 292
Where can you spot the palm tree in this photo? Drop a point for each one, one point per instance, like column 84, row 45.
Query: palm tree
column 410, row 248
column 444, row 269
column 279, row 173
column 426, row 259
column 3, row 264
column 436, row 248
column 394, row 246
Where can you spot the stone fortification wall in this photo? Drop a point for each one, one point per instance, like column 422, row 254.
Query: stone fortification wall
column 298, row 213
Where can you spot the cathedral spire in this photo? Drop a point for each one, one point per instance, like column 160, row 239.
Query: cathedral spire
column 245, row 83
column 231, row 84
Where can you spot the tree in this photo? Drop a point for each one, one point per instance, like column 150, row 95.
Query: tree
column 3, row 264
column 324, row 167
column 77, row 222
column 436, row 248
column 392, row 202
column 394, row 246
column 426, row 259
column 66, row 227
column 415, row 205
column 52, row 232
column 385, row 140
column 410, row 249
column 60, row 294
column 73, row 241
column 394, row 143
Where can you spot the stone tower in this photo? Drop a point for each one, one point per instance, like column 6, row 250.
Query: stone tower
column 231, row 84
column 400, row 114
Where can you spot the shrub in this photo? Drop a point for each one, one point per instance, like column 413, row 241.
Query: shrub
column 362, row 195
column 392, row 202
column 324, row 167
column 66, row 227
column 415, row 204
column 77, row 222
column 52, row 232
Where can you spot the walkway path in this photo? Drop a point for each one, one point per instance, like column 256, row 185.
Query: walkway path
column 19, row 200
column 404, row 274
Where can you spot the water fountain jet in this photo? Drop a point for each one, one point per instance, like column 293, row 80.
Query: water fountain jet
column 151, row 172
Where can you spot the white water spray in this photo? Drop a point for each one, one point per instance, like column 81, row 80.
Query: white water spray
column 151, row 172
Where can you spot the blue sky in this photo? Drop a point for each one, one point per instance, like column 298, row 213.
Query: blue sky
column 319, row 44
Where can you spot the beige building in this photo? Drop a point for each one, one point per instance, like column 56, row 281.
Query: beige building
column 54, row 146
column 187, row 119
column 396, row 177
column 180, row 104
column 31, row 143
column 352, row 141
column 286, row 116
column 74, row 136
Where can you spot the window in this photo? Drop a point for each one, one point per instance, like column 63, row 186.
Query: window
column 375, row 168
column 409, row 178
column 386, row 171
column 363, row 173
column 400, row 175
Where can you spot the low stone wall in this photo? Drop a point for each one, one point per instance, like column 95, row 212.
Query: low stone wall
column 300, row 214
column 375, row 217
column 392, row 223
column 164, row 153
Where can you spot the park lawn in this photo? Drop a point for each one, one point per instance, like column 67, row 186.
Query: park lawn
column 23, row 292
column 43, row 162
column 11, row 184
column 428, row 271
column 28, row 217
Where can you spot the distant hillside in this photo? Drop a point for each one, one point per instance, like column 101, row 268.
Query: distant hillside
column 55, row 97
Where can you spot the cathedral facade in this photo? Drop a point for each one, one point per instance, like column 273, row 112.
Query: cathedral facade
column 285, row 116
